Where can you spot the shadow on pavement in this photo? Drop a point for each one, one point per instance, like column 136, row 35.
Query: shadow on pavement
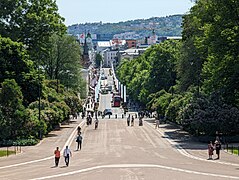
column 181, row 137
column 51, row 135
column 63, row 166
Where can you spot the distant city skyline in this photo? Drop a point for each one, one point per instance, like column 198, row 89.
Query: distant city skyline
column 82, row 11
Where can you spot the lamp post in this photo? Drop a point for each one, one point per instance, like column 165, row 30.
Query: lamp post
column 39, row 96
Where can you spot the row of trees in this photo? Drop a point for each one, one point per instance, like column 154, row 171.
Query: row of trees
column 193, row 82
column 40, row 70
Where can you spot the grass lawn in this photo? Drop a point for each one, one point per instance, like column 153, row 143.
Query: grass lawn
column 4, row 153
column 235, row 150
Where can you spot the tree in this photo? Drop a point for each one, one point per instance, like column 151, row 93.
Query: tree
column 98, row 60
column 210, row 39
column 162, row 72
column 12, row 110
column 63, row 62
column 16, row 64
column 30, row 21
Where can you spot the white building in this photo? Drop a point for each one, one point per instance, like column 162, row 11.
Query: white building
column 110, row 57
column 102, row 45
column 132, row 53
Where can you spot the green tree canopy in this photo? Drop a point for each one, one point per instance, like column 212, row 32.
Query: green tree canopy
column 15, row 64
column 11, row 99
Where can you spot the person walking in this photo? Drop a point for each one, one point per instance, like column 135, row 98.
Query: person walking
column 67, row 153
column 156, row 123
column 96, row 123
column 128, row 120
column 132, row 121
column 210, row 150
column 78, row 130
column 218, row 148
column 140, row 121
column 57, row 156
column 79, row 141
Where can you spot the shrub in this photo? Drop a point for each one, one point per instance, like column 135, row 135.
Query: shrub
column 206, row 115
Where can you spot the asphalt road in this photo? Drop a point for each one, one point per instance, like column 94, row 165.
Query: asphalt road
column 116, row 151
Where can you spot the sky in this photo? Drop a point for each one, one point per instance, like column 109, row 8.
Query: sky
column 82, row 11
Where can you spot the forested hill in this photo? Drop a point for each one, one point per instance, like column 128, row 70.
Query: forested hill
column 163, row 26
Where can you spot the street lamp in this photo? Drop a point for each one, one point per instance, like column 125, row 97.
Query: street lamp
column 39, row 96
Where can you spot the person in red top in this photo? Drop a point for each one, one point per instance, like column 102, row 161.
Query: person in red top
column 57, row 156
column 210, row 150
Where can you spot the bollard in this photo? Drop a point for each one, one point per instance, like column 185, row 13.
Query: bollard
column 238, row 150
column 122, row 116
column 115, row 116
column 109, row 116
column 7, row 150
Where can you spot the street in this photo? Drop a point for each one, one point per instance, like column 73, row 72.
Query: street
column 116, row 151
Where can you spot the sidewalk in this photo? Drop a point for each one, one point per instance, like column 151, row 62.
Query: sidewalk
column 45, row 149
column 197, row 150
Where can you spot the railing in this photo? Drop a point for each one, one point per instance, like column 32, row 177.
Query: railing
column 232, row 149
column 6, row 151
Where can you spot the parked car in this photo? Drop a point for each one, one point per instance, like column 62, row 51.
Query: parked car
column 107, row 112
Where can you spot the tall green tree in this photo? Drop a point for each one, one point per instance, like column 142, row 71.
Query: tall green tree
column 221, row 36
column 16, row 64
column 12, row 110
column 98, row 60
column 31, row 22
column 63, row 62
column 163, row 59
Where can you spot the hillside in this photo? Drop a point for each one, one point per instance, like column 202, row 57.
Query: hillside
column 163, row 26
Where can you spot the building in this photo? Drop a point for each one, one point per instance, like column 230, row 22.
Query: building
column 110, row 57
column 117, row 44
column 131, row 53
column 131, row 43
column 102, row 45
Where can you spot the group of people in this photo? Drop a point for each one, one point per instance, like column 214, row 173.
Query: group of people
column 67, row 152
column 214, row 146
column 130, row 121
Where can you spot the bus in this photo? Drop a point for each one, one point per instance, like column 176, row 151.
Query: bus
column 116, row 101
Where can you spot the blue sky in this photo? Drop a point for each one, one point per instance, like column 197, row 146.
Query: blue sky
column 81, row 11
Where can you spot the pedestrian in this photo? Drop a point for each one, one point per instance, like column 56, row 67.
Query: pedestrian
column 67, row 153
column 57, row 156
column 96, row 123
column 140, row 121
column 156, row 123
column 78, row 130
column 128, row 120
column 132, row 121
column 79, row 141
column 218, row 148
column 210, row 150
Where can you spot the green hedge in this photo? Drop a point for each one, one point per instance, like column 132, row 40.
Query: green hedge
column 20, row 142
